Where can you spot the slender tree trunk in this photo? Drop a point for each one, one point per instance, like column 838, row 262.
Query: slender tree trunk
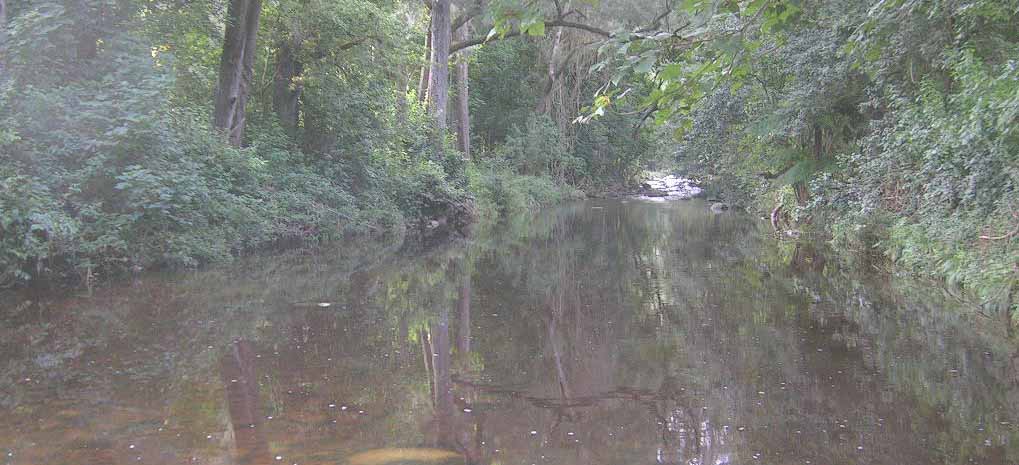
column 286, row 96
column 402, row 87
column 463, row 109
column 545, row 103
column 426, row 68
column 236, row 68
column 438, row 81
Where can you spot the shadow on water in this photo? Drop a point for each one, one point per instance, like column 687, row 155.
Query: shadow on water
column 602, row 332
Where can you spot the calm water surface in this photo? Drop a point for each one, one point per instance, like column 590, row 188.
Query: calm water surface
column 606, row 332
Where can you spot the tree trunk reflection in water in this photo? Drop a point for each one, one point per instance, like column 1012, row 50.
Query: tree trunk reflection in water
column 464, row 307
column 237, row 370
column 442, row 381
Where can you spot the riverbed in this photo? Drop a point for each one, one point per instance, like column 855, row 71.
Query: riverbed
column 601, row 332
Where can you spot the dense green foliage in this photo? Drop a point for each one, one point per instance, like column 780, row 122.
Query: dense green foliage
column 109, row 161
column 888, row 126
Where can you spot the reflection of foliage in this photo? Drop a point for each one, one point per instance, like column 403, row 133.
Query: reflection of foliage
column 583, row 318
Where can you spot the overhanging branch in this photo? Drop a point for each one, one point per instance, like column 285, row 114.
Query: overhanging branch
column 553, row 23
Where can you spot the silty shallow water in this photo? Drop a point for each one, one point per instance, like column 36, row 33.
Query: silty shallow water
column 604, row 332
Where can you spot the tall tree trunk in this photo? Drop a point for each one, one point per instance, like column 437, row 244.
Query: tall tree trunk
column 286, row 95
column 236, row 68
column 426, row 68
column 463, row 109
column 545, row 103
column 438, row 81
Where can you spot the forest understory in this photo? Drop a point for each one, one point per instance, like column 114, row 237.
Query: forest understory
column 145, row 134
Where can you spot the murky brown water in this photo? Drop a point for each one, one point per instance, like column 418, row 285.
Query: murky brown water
column 599, row 333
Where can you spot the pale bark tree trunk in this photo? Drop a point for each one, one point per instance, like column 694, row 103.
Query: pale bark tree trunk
column 426, row 68
column 463, row 110
column 286, row 95
column 236, row 68
column 438, row 81
column 545, row 104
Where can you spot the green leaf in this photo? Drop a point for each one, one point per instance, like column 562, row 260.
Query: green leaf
column 754, row 7
column 537, row 29
column 670, row 72
column 644, row 66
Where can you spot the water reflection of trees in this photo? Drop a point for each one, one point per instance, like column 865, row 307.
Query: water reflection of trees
column 628, row 333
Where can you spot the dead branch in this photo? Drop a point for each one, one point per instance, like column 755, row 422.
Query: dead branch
column 776, row 217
